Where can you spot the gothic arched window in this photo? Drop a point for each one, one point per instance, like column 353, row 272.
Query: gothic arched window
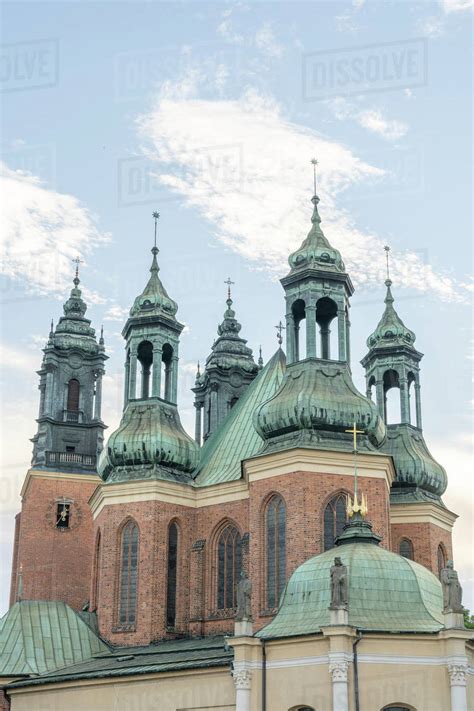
column 228, row 567
column 335, row 518
column 96, row 579
column 172, row 575
column 441, row 559
column 73, row 388
column 275, row 530
column 406, row 548
column 128, row 574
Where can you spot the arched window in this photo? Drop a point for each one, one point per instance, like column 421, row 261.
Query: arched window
column 335, row 518
column 166, row 370
column 275, row 528
column 145, row 358
column 441, row 559
column 228, row 567
column 406, row 548
column 301, row 708
column 128, row 574
column 326, row 311
column 398, row 708
column 391, row 390
column 96, row 578
column 172, row 575
column 73, row 388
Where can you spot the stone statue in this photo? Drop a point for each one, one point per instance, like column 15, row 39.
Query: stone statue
column 244, row 598
column 452, row 590
column 339, row 586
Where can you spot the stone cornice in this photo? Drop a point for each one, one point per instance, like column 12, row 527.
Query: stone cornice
column 423, row 512
column 58, row 475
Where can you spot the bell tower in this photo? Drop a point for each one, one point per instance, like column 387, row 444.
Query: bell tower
column 53, row 536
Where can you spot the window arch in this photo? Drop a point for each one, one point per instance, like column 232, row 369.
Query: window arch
column 406, row 548
column 392, row 403
column 128, row 574
column 73, row 390
column 275, row 547
column 326, row 312
column 173, row 538
column 229, row 563
column 301, row 708
column 166, row 372
column 145, row 358
column 442, row 558
column 96, row 576
column 335, row 518
column 298, row 310
column 398, row 708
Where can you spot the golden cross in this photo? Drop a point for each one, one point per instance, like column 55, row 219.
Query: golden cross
column 355, row 432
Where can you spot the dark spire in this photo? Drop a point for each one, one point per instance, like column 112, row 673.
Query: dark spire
column 260, row 359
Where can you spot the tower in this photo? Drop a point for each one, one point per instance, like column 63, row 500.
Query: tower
column 53, row 536
column 229, row 369
column 421, row 524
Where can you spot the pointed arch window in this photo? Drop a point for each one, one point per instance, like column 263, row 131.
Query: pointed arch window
column 335, row 518
column 173, row 536
column 228, row 567
column 441, row 559
column 406, row 548
column 128, row 574
column 73, row 389
column 275, row 530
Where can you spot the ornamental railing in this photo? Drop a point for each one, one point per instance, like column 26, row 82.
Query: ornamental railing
column 71, row 459
column 72, row 415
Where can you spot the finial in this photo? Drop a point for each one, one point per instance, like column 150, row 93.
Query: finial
column 156, row 216
column 314, row 163
column 260, row 359
column 280, row 328
column 387, row 260
column 77, row 261
column 198, row 370
column 229, row 283
column 51, row 330
column 19, row 593
column 354, row 506
column 101, row 339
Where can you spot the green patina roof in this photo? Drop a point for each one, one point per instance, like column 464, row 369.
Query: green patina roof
column 39, row 637
column 154, row 299
column 390, row 331
column 386, row 593
column 162, row 657
column 237, row 438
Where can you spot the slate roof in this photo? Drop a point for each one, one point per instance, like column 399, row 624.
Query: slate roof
column 176, row 655
column 237, row 438
column 39, row 637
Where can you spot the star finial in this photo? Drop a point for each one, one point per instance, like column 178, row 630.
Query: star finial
column 280, row 328
column 387, row 260
column 229, row 283
column 77, row 261
column 314, row 163
column 156, row 216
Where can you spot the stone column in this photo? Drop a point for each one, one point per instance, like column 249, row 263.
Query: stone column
column 49, row 395
column 213, row 418
column 243, row 682
column 311, row 331
column 198, row 427
column 197, row 591
column 174, row 380
column 380, row 397
column 418, row 405
column 98, row 396
column 132, row 390
column 457, row 679
column 290, row 327
column 341, row 333
column 404, row 401
column 156, row 373
column 339, row 670
column 348, row 339
column 126, row 388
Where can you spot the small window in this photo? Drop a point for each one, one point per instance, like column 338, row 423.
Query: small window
column 63, row 513
column 228, row 567
column 73, row 395
column 441, row 559
column 128, row 574
column 406, row 548
column 70, row 449
column 335, row 518
column 172, row 575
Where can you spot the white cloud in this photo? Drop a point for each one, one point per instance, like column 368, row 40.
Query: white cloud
column 450, row 6
column 372, row 120
column 19, row 359
column 245, row 168
column 267, row 43
column 42, row 230
column 116, row 313
column 432, row 27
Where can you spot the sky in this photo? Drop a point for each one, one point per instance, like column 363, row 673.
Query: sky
column 210, row 113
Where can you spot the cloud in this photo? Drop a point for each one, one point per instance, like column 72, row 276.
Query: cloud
column 372, row 120
column 432, row 27
column 245, row 168
column 42, row 230
column 19, row 359
column 116, row 313
column 450, row 6
column 266, row 42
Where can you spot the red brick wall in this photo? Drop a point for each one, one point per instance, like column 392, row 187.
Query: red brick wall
column 4, row 702
column 16, row 538
column 425, row 537
column 56, row 564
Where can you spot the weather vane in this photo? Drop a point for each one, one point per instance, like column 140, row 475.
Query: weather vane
column 355, row 507
column 280, row 328
column 229, row 283
column 314, row 163
column 387, row 259
column 156, row 215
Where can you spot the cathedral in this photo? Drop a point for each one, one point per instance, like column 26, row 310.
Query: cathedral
column 294, row 555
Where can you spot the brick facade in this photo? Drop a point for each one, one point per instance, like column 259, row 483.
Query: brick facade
column 426, row 538
column 55, row 563
column 4, row 701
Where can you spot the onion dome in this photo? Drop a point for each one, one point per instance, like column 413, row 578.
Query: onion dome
column 387, row 592
column 315, row 406
column 316, row 252
column 73, row 329
column 391, row 331
column 418, row 474
column 230, row 349
column 150, row 443
column 154, row 299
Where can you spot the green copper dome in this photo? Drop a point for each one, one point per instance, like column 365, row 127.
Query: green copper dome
column 386, row 593
column 74, row 329
column 154, row 299
column 316, row 403
column 150, row 443
column 316, row 252
column 230, row 349
column 391, row 331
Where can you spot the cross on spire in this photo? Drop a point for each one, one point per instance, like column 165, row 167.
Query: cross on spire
column 355, row 506
column 314, row 163
column 156, row 216
column 77, row 261
column 387, row 260
column 280, row 328
column 229, row 283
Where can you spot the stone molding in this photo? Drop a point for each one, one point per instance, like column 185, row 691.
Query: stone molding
column 423, row 512
column 62, row 476
column 457, row 674
column 242, row 679
column 339, row 670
